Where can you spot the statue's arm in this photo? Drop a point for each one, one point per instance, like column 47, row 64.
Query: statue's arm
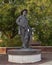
column 18, row 21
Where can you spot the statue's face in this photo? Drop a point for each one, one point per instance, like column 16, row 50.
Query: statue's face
column 24, row 13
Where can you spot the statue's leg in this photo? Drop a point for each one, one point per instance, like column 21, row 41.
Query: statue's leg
column 26, row 40
column 23, row 38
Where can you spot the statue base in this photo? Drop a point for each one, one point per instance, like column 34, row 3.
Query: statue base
column 24, row 55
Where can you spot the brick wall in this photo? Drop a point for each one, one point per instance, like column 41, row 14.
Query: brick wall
column 2, row 50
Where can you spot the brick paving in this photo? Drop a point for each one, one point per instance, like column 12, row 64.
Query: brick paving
column 46, row 60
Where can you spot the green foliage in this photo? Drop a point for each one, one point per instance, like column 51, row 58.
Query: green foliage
column 14, row 42
column 39, row 17
column 7, row 19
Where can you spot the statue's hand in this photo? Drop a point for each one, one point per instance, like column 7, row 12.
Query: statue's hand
column 28, row 30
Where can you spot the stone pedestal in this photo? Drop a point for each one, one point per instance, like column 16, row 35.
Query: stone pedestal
column 24, row 55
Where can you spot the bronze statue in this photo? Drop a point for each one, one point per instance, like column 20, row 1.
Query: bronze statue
column 24, row 29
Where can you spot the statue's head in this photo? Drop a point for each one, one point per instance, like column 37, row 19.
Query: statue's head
column 24, row 12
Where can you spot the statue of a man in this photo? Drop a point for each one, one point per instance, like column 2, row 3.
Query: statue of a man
column 24, row 28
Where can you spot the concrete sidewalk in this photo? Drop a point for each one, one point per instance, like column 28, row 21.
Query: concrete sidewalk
column 47, row 63
column 46, row 60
